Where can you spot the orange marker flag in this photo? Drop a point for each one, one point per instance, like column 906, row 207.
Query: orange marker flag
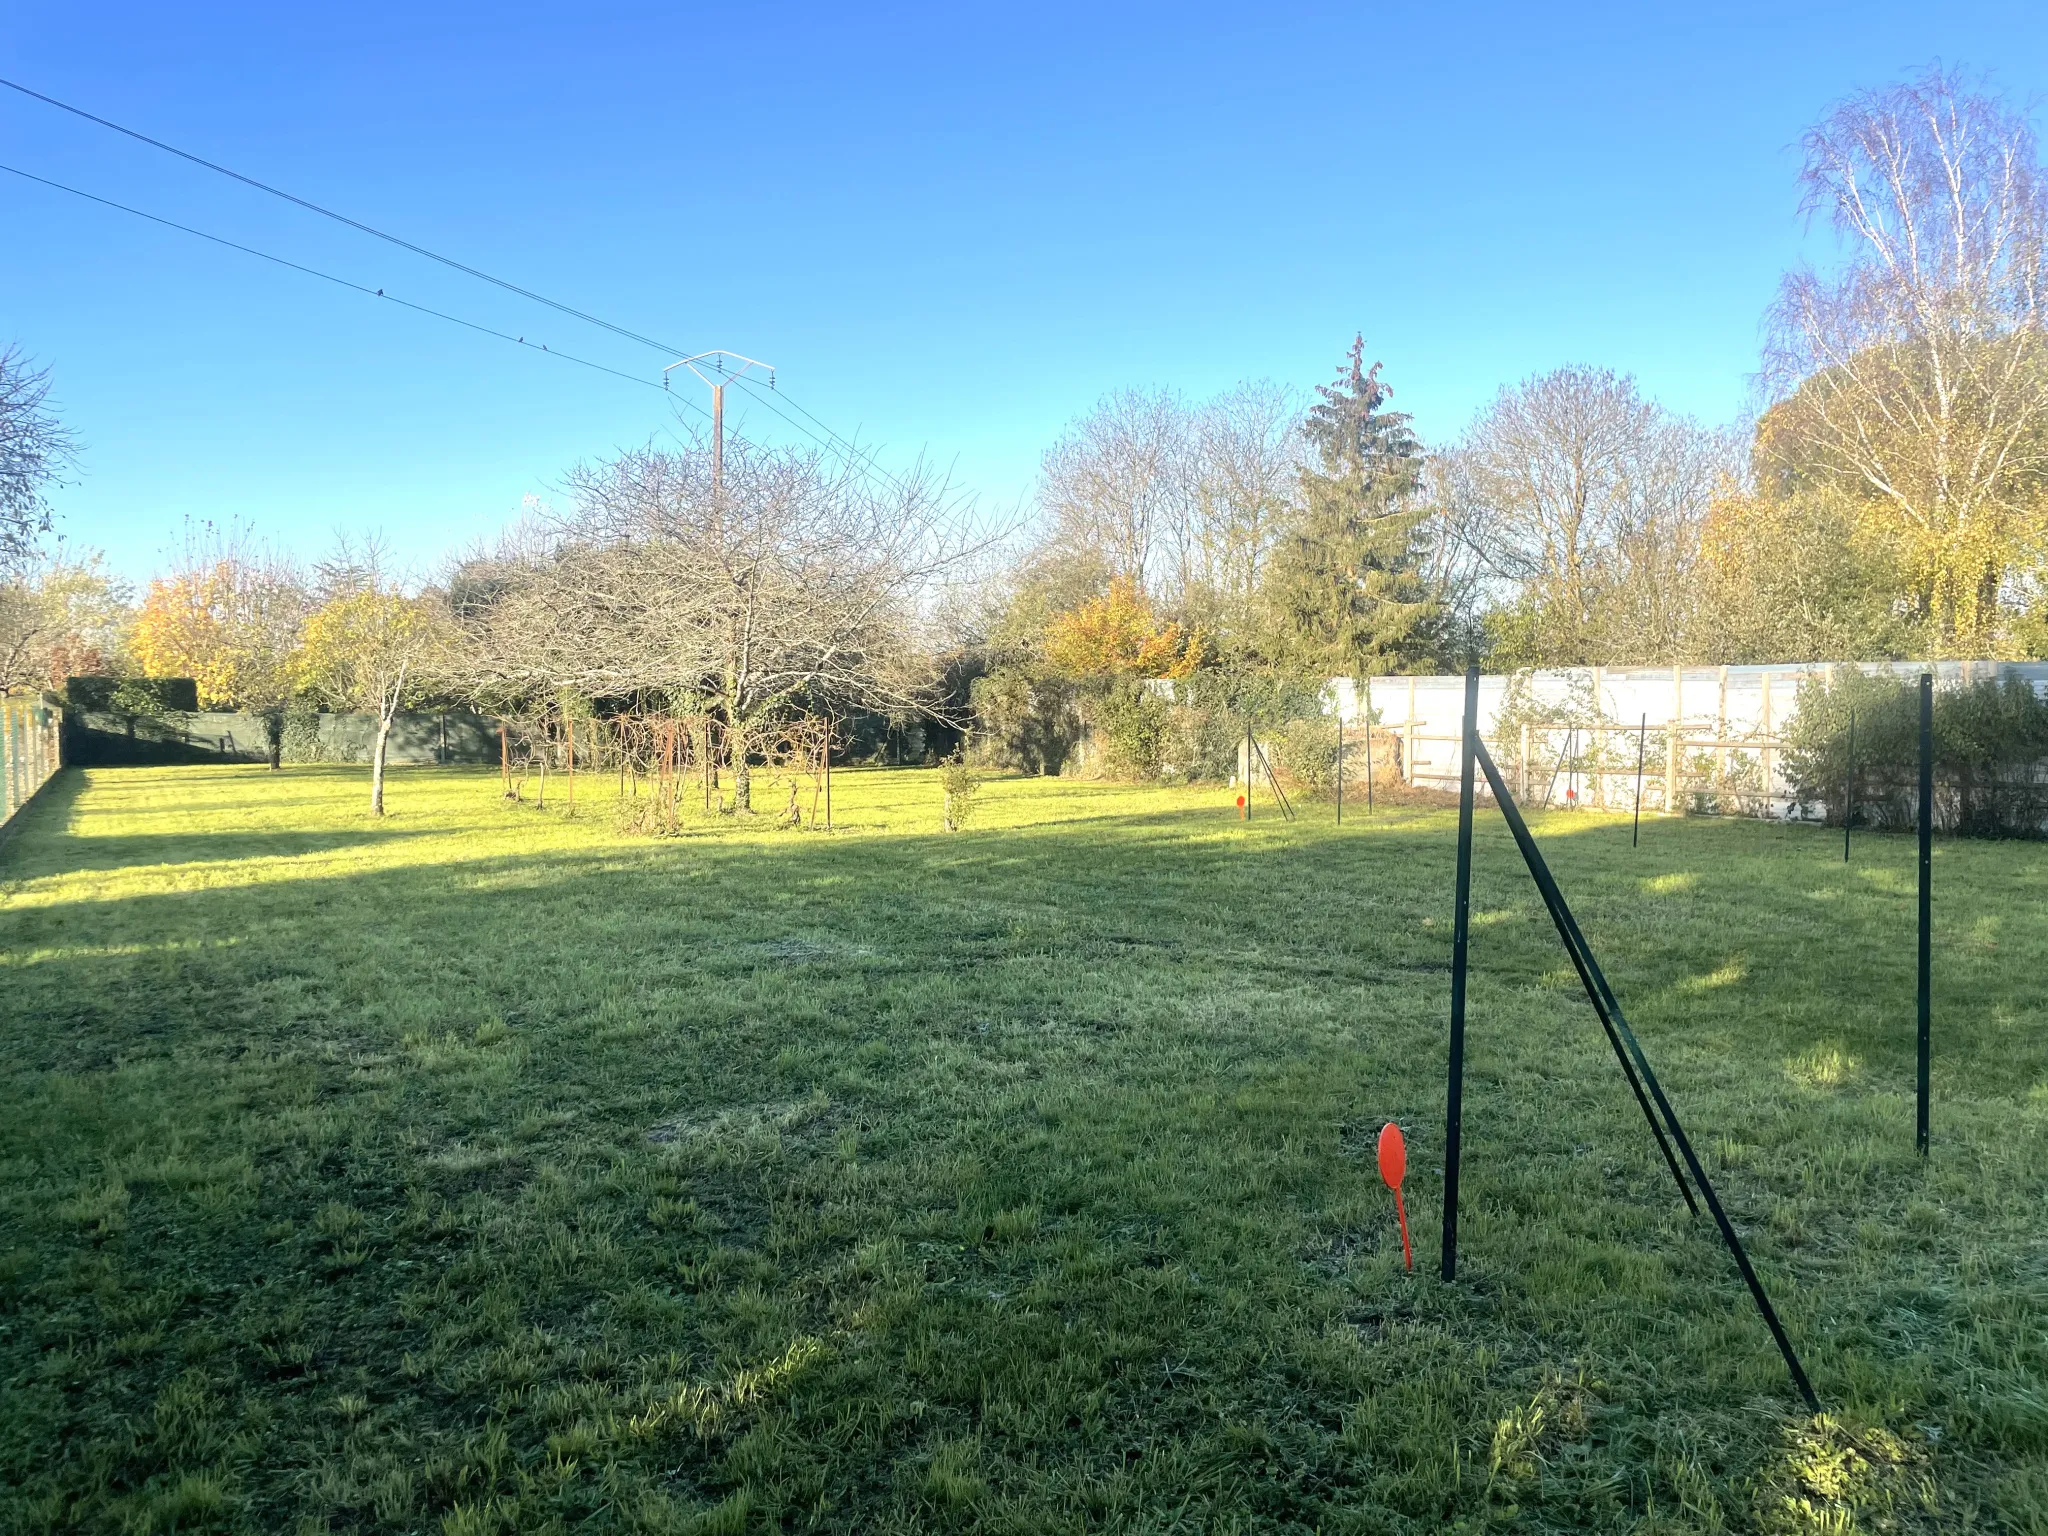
column 1393, row 1169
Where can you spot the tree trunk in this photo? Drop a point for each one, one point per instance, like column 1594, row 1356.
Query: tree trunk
column 377, row 765
column 273, row 735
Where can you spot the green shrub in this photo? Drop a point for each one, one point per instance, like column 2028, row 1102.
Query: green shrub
column 302, row 742
column 960, row 782
column 1024, row 720
column 1305, row 751
column 1199, row 744
column 133, row 695
column 1202, row 731
column 1130, row 729
column 1990, row 750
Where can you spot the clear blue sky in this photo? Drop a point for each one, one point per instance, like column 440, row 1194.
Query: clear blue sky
column 951, row 227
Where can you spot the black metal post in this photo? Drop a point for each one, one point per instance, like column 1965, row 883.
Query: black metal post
column 1340, row 766
column 1461, row 932
column 1849, row 789
column 1642, row 746
column 1601, row 993
column 1926, row 998
column 1368, row 746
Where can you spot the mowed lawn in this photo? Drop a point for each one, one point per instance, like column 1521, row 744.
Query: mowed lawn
column 492, row 1169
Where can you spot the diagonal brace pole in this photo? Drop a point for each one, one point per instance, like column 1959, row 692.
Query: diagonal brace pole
column 1273, row 781
column 1590, row 976
column 1601, row 992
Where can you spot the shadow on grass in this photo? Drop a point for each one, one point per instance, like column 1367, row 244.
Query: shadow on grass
column 45, row 817
column 143, row 850
column 1292, row 903
column 1045, row 1093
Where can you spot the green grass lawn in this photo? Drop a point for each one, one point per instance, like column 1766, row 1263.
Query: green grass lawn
column 487, row 1169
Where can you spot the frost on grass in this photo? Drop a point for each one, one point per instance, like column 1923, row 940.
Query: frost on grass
column 738, row 1122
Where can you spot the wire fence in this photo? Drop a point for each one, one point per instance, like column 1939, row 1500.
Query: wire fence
column 29, row 750
column 675, row 760
column 1697, row 740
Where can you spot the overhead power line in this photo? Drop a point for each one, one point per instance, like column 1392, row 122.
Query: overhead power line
column 342, row 218
column 329, row 277
column 862, row 459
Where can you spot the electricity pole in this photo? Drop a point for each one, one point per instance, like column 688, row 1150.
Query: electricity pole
column 711, row 368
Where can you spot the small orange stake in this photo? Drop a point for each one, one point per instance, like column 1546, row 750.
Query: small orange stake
column 1393, row 1169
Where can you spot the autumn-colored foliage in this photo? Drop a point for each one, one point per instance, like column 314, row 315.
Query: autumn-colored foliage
column 185, row 629
column 229, row 620
column 361, row 650
column 1117, row 635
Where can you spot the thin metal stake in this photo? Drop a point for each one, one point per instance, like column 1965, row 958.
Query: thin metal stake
column 1849, row 789
column 1642, row 745
column 1340, row 766
column 1368, row 746
column 1926, row 892
column 1571, row 746
column 1461, row 932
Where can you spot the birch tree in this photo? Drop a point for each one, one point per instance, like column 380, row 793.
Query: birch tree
column 1913, row 376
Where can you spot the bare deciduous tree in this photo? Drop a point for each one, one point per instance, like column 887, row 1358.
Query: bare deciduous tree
column 1185, row 500
column 1247, row 465
column 1651, row 607
column 800, row 581
column 1573, row 490
column 1550, row 468
column 1915, row 376
column 35, row 450
column 1110, row 484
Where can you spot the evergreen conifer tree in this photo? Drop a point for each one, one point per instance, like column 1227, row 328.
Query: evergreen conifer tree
column 1345, row 592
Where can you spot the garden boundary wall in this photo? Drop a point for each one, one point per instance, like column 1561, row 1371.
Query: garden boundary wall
column 97, row 738
column 1713, row 733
